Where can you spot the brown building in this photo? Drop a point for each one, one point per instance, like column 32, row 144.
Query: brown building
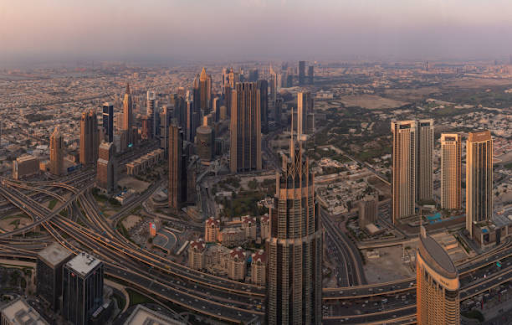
column 425, row 152
column 479, row 178
column 212, row 230
column 177, row 169
column 368, row 212
column 56, row 153
column 245, row 128
column 106, row 171
column 258, row 268
column 404, row 169
column 196, row 256
column 89, row 138
column 437, row 279
column 451, row 170
column 24, row 166
column 237, row 264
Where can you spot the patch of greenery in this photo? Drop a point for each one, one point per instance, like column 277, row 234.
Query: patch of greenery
column 52, row 204
column 137, row 298
column 474, row 314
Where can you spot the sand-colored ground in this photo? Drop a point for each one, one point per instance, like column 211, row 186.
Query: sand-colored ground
column 388, row 267
column 133, row 183
column 417, row 94
column 371, row 101
column 9, row 223
column 130, row 221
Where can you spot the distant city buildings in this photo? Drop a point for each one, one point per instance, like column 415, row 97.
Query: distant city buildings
column 437, row 284
column 479, row 178
column 302, row 73
column 245, row 128
column 451, row 171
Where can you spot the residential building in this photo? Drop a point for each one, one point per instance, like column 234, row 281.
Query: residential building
column 451, row 171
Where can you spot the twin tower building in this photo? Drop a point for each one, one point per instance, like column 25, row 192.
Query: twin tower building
column 413, row 151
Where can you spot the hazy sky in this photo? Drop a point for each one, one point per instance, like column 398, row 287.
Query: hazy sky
column 253, row 29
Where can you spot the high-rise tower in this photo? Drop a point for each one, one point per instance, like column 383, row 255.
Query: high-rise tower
column 263, row 87
column 437, row 284
column 177, row 183
column 127, row 114
column 479, row 178
column 151, row 112
column 202, row 92
column 304, row 112
column 89, row 138
column 56, row 153
column 273, row 86
column 451, row 167
column 106, row 168
column 294, row 287
column 108, row 122
column 404, row 168
column 302, row 72
column 245, row 127
column 425, row 145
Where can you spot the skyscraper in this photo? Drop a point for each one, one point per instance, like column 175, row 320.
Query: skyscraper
column 106, row 170
column 311, row 74
column 304, row 111
column 205, row 140
column 479, row 178
column 202, row 92
column 245, row 128
column 82, row 288
column 404, row 169
column 273, row 86
column 451, row 168
column 437, row 284
column 177, row 194
column 302, row 72
column 127, row 114
column 294, row 287
column 49, row 273
column 89, row 138
column 278, row 109
column 108, row 122
column 56, row 153
column 263, row 87
column 150, row 112
column 425, row 145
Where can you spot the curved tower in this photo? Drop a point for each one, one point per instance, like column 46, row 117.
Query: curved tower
column 437, row 291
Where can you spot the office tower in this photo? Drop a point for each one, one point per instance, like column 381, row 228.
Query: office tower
column 302, row 72
column 127, row 115
column 202, row 92
column 165, row 122
column 304, row 108
column 273, row 86
column 146, row 127
column 151, row 112
column 289, row 80
column 56, row 153
column 404, row 169
column 425, row 147
column 368, row 211
column 177, row 194
column 89, row 138
column 278, row 109
column 451, row 170
column 49, row 273
column 25, row 166
column 294, row 287
column 205, row 140
column 254, row 75
column 245, row 128
column 106, row 171
column 82, row 288
column 479, row 181
column 437, row 284
column 263, row 87
column 311, row 74
column 108, row 122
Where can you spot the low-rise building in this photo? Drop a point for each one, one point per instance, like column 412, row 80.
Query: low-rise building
column 237, row 264
column 19, row 312
column 196, row 256
column 142, row 164
column 144, row 315
column 259, row 268
column 232, row 236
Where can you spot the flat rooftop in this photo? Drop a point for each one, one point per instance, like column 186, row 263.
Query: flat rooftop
column 83, row 263
column 54, row 254
column 145, row 316
column 20, row 312
column 438, row 254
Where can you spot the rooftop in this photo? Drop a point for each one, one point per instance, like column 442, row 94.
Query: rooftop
column 437, row 257
column 83, row 263
column 55, row 254
column 146, row 316
column 20, row 312
column 479, row 136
